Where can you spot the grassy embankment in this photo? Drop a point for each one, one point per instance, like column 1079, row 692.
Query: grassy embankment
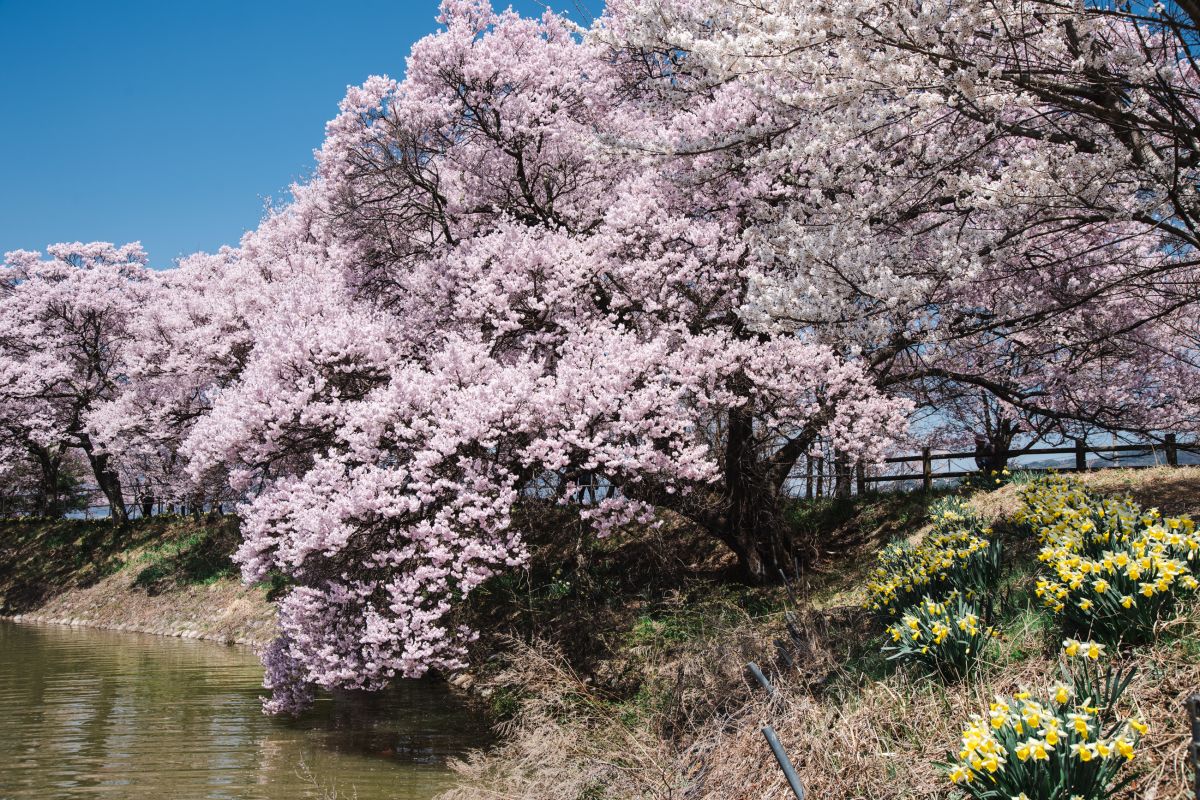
column 168, row 575
column 617, row 667
column 625, row 676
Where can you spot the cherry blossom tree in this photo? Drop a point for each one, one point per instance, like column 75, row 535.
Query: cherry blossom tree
column 63, row 330
column 31, row 459
column 189, row 338
column 932, row 198
column 482, row 303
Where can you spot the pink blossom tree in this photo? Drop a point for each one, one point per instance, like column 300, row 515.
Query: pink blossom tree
column 63, row 331
column 190, row 338
column 482, row 303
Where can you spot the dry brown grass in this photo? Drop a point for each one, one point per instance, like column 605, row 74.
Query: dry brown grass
column 885, row 740
column 854, row 728
column 857, row 738
column 565, row 741
column 225, row 610
column 1173, row 490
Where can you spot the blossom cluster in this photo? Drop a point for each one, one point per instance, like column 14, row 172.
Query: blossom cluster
column 1112, row 568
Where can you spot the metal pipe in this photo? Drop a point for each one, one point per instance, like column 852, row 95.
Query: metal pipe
column 785, row 763
column 762, row 679
column 1193, row 707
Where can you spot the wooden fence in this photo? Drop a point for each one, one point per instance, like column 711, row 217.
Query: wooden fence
column 1169, row 447
column 838, row 479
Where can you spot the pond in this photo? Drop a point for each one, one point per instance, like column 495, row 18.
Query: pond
column 99, row 714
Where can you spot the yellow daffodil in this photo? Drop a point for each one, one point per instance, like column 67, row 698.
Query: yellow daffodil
column 1124, row 747
column 1080, row 723
column 1084, row 752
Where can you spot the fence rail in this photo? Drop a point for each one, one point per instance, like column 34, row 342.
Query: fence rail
column 1170, row 447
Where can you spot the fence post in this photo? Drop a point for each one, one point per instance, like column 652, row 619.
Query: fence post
column 860, row 474
column 1172, row 453
column 1080, row 456
column 785, row 763
column 926, row 469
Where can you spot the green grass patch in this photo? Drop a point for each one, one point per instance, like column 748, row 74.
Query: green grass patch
column 43, row 557
column 201, row 556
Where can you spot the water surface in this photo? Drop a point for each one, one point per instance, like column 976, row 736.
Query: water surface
column 99, row 714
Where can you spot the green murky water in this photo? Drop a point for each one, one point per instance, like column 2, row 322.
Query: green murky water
column 97, row 714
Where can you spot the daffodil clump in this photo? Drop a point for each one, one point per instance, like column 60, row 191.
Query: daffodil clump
column 1113, row 568
column 944, row 636
column 957, row 556
column 1061, row 745
column 988, row 479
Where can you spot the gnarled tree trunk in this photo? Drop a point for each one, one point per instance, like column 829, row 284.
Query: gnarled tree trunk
column 48, row 500
column 751, row 519
column 107, row 479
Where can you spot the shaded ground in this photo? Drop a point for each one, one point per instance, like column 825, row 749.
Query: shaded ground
column 167, row 575
column 603, row 603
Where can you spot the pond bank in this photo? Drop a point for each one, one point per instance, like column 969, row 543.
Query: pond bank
column 166, row 576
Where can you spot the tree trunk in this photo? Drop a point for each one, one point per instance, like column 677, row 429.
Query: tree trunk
column 750, row 524
column 1003, row 445
column 762, row 547
column 841, row 487
column 107, row 479
column 48, row 501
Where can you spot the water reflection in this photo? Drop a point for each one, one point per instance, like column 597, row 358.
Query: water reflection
column 100, row 714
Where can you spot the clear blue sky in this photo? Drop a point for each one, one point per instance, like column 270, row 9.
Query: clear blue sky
column 172, row 121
